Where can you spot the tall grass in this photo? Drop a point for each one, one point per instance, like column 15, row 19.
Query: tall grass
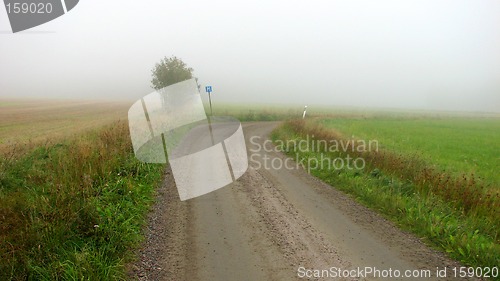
column 73, row 209
column 457, row 214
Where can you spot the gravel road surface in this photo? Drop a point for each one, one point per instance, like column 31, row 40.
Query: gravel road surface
column 274, row 224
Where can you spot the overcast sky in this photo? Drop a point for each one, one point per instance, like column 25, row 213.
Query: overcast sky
column 393, row 54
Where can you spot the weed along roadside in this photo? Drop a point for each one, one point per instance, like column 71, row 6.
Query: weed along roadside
column 455, row 214
column 74, row 208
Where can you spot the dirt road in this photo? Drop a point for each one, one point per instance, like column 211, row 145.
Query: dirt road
column 275, row 224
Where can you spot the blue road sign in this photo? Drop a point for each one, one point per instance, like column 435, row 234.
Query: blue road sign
column 208, row 89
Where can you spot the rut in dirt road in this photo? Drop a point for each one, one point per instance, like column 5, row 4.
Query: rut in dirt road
column 273, row 225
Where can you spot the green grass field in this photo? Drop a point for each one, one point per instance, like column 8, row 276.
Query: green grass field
column 421, row 177
column 256, row 112
column 457, row 145
column 276, row 112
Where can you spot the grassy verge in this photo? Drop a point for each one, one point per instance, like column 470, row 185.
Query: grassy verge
column 73, row 209
column 455, row 214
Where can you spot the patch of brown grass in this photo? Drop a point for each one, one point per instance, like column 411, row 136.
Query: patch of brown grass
column 36, row 121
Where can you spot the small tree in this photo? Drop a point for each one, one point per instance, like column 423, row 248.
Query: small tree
column 170, row 71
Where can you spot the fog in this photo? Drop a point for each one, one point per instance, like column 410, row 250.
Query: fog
column 439, row 55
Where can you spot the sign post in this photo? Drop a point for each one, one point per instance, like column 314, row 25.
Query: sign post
column 208, row 89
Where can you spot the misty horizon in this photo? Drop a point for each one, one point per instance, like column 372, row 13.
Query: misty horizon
column 416, row 55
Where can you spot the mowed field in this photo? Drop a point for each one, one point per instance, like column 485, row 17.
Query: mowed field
column 456, row 145
column 37, row 120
